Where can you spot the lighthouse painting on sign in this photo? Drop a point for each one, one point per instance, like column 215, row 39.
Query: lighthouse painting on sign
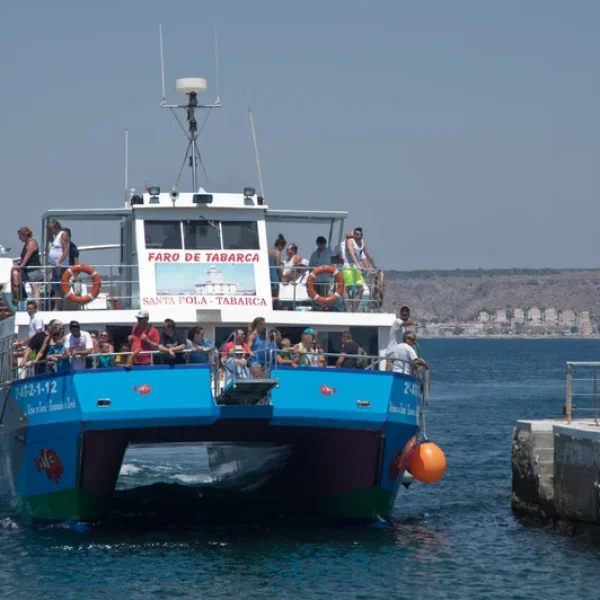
column 202, row 279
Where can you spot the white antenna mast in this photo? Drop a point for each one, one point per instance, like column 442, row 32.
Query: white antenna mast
column 191, row 87
column 260, row 179
column 162, row 66
column 126, row 163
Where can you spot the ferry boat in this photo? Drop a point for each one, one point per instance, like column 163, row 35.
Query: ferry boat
column 316, row 441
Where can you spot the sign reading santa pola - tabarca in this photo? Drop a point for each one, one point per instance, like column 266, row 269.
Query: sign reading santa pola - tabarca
column 204, row 279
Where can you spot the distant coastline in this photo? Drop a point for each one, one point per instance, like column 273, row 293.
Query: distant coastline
column 499, row 303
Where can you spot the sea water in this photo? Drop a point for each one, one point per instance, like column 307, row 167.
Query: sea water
column 455, row 539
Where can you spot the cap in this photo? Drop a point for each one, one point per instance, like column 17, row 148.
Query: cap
column 239, row 348
column 321, row 240
column 55, row 322
column 309, row 330
column 74, row 324
column 143, row 314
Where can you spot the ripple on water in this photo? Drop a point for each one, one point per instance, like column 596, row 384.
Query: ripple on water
column 457, row 539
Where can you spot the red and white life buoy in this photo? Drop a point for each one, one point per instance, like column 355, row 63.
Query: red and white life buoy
column 339, row 285
column 65, row 284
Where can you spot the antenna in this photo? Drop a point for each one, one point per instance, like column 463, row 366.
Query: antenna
column 217, row 80
column 190, row 86
column 126, row 162
column 162, row 66
column 260, row 179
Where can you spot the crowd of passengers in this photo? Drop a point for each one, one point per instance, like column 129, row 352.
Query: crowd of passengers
column 62, row 254
column 286, row 265
column 48, row 348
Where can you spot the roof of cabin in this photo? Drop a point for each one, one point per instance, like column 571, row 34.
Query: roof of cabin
column 316, row 216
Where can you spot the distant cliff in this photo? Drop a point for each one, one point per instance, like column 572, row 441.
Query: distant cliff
column 461, row 294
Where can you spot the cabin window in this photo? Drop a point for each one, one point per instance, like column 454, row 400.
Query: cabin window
column 240, row 235
column 163, row 234
column 202, row 235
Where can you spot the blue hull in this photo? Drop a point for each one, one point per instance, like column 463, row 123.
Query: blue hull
column 327, row 443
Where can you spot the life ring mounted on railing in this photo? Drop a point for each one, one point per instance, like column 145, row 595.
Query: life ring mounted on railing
column 65, row 284
column 339, row 285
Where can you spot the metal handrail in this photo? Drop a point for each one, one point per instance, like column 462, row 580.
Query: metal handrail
column 299, row 297
column 571, row 393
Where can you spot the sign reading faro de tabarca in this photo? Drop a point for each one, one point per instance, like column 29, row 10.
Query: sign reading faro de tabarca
column 204, row 278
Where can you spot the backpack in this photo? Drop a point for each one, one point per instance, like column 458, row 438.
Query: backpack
column 363, row 361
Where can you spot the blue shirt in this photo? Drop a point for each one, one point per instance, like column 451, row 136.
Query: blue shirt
column 199, row 357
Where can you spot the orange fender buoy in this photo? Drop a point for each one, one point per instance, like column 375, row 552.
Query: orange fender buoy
column 427, row 463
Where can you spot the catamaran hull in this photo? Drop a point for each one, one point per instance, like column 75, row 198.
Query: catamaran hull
column 63, row 438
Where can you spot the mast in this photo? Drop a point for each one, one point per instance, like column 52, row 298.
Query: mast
column 191, row 87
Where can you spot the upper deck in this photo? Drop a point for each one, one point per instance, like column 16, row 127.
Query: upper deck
column 200, row 258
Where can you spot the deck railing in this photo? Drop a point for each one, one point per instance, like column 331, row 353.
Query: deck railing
column 119, row 290
column 582, row 397
column 363, row 291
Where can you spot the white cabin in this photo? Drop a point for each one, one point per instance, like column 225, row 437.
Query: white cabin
column 203, row 259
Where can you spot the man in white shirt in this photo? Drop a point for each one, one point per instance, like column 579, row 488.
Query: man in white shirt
column 78, row 345
column 399, row 328
column 36, row 323
column 405, row 357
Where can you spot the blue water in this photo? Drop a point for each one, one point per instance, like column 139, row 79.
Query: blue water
column 456, row 539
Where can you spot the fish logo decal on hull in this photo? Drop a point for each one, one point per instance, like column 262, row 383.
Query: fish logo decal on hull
column 50, row 463
column 142, row 390
column 326, row 390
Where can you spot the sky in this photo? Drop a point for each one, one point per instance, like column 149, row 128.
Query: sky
column 459, row 134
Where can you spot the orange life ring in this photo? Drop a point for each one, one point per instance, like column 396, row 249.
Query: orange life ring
column 65, row 284
column 339, row 285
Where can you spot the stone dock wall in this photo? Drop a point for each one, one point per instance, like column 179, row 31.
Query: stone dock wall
column 556, row 470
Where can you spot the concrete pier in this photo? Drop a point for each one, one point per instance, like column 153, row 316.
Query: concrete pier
column 556, row 469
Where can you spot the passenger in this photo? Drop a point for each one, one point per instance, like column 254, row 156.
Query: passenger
column 285, row 356
column 405, row 357
column 236, row 366
column 78, row 345
column 171, row 344
column 199, row 346
column 320, row 257
column 143, row 339
column 106, row 338
column 36, row 323
column 54, row 350
column 257, row 346
column 399, row 328
column 293, row 260
column 105, row 359
column 349, row 347
column 240, row 340
column 33, row 350
column 356, row 259
column 90, row 361
column 29, row 270
column 123, row 359
column 58, row 257
column 274, row 348
column 307, row 351
column 275, row 264
column 73, row 249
